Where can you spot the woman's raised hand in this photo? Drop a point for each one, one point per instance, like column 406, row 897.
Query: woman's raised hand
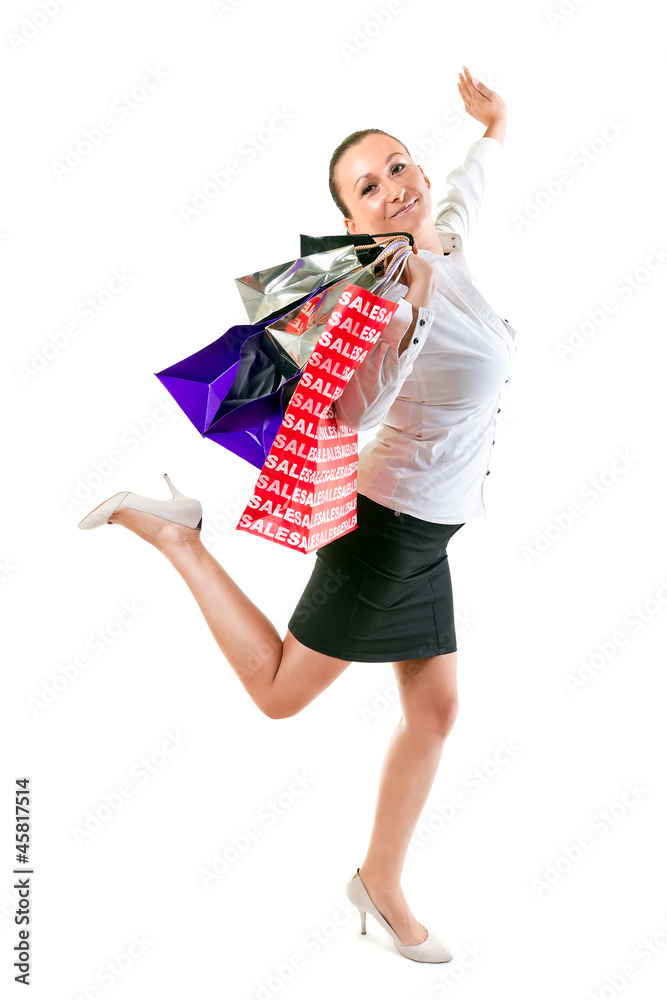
column 479, row 100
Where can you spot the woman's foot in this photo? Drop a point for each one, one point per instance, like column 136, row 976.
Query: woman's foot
column 395, row 910
column 156, row 530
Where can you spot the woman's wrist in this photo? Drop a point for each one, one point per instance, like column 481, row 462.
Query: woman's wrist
column 422, row 292
column 407, row 336
column 496, row 129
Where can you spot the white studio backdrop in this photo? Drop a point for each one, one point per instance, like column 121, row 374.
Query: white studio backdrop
column 539, row 856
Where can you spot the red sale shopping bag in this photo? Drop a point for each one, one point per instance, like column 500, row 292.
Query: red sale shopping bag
column 306, row 493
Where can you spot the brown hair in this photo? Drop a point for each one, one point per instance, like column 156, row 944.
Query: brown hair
column 352, row 140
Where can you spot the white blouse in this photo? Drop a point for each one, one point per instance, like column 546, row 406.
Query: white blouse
column 437, row 403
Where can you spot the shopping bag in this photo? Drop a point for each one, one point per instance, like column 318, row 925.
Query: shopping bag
column 306, row 493
column 273, row 290
column 321, row 244
column 235, row 391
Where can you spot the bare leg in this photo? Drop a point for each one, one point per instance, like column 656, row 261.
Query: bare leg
column 281, row 677
column 427, row 690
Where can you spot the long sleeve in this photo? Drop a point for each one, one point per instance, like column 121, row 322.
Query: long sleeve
column 377, row 382
column 458, row 209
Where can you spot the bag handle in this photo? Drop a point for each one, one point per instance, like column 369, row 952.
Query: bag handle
column 390, row 261
column 383, row 271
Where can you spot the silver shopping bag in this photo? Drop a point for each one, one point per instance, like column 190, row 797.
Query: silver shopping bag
column 294, row 334
column 270, row 291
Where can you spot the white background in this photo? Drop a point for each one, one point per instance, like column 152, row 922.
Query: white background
column 529, row 613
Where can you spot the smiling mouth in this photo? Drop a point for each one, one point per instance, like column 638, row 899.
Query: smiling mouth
column 408, row 208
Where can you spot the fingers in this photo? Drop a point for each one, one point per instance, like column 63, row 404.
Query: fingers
column 466, row 88
column 470, row 78
column 461, row 84
column 468, row 85
column 465, row 83
column 479, row 100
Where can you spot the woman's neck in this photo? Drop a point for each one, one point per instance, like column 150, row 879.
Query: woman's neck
column 430, row 242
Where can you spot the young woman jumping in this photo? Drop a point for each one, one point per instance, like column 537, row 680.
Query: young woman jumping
column 432, row 384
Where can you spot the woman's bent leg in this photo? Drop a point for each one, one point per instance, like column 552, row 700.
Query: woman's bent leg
column 427, row 690
column 281, row 677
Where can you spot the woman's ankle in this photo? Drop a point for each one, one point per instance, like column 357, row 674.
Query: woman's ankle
column 175, row 535
column 165, row 535
column 382, row 880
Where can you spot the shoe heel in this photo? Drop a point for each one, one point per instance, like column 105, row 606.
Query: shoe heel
column 174, row 492
column 356, row 894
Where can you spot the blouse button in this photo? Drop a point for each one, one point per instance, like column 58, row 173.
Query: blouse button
column 488, row 472
column 493, row 442
column 498, row 410
column 422, row 322
column 415, row 341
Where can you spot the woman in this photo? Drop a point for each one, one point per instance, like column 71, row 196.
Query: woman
column 434, row 379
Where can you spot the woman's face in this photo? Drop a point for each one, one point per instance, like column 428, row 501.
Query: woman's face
column 377, row 180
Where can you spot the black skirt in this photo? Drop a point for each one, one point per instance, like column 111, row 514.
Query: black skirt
column 382, row 592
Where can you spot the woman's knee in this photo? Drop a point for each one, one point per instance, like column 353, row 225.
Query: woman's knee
column 279, row 711
column 428, row 693
column 436, row 718
column 302, row 675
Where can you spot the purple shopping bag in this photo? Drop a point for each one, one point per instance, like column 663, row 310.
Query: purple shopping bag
column 235, row 391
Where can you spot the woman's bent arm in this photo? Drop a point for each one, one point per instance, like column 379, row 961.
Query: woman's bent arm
column 377, row 382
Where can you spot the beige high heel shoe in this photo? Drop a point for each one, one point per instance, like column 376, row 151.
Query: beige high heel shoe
column 180, row 509
column 430, row 950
